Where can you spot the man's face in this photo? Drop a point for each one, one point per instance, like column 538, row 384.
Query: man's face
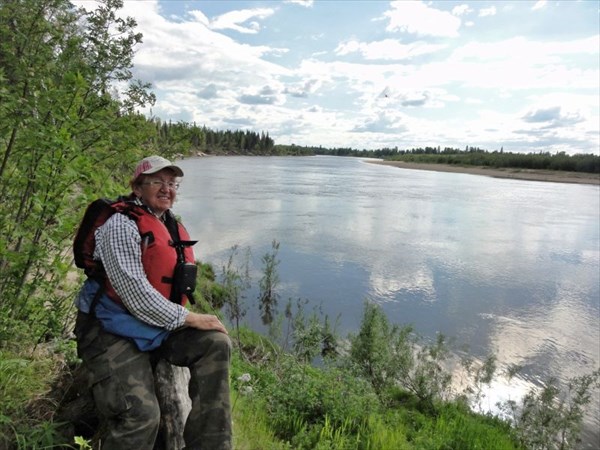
column 158, row 190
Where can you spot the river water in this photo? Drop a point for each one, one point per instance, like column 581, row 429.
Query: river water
column 501, row 266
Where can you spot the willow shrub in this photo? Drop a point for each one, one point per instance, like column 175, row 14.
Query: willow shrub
column 391, row 356
column 63, row 140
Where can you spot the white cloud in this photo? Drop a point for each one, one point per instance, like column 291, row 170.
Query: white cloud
column 267, row 95
column 383, row 122
column 233, row 19
column 305, row 3
column 542, row 59
column 191, row 50
column 415, row 17
column 388, row 49
column 88, row 5
column 514, row 63
column 303, row 89
column 552, row 117
column 540, row 4
column 485, row 12
column 461, row 10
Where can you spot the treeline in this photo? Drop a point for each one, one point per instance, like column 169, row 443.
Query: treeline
column 185, row 138
column 307, row 150
column 470, row 156
column 500, row 159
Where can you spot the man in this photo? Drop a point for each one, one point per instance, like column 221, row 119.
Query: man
column 135, row 315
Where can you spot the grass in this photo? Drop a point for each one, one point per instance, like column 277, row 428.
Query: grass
column 251, row 429
column 279, row 403
column 26, row 408
column 295, row 406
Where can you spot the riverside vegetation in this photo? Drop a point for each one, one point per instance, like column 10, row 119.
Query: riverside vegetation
column 382, row 388
column 66, row 137
column 303, row 387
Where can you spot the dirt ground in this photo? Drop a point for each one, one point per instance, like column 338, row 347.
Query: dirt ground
column 520, row 174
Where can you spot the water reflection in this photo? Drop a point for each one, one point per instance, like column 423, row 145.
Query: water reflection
column 386, row 285
column 505, row 266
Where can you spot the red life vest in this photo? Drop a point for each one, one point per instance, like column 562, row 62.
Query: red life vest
column 159, row 256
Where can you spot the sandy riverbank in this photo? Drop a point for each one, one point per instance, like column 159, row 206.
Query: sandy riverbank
column 520, row 174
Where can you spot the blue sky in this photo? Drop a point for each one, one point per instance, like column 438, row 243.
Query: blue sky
column 523, row 76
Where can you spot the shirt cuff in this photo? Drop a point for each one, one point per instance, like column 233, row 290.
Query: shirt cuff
column 180, row 320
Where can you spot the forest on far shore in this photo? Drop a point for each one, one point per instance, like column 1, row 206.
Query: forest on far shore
column 189, row 139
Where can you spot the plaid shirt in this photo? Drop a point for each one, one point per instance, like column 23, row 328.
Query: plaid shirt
column 118, row 246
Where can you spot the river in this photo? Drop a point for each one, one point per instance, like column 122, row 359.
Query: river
column 502, row 266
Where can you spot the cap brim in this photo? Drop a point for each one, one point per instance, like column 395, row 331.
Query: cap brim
column 177, row 170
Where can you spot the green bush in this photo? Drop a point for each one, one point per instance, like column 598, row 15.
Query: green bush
column 548, row 418
column 390, row 356
column 304, row 395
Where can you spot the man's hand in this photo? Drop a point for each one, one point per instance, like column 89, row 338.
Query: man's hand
column 204, row 322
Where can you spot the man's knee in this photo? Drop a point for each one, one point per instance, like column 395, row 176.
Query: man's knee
column 191, row 346
column 221, row 343
column 218, row 352
column 216, row 349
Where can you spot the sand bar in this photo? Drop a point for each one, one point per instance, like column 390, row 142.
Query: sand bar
column 555, row 176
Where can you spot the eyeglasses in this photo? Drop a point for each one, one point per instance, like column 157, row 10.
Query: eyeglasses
column 157, row 184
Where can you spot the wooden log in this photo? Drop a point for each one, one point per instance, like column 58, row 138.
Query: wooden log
column 171, row 384
column 77, row 409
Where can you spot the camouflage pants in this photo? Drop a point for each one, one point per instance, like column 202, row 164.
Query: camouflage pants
column 123, row 385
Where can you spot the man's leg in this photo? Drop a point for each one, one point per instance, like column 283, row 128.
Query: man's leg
column 122, row 385
column 207, row 355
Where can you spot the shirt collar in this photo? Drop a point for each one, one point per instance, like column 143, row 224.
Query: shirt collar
column 138, row 201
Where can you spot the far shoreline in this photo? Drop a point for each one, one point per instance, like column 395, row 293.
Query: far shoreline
column 554, row 176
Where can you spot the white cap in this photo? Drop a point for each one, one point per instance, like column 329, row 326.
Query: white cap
column 153, row 164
